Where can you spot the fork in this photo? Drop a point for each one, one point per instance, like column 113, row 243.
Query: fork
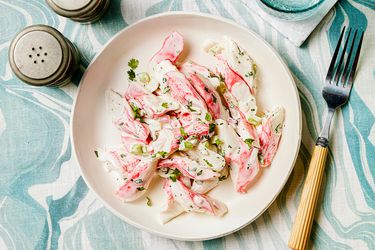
column 336, row 92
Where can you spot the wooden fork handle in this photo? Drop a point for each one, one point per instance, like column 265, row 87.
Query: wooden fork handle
column 305, row 215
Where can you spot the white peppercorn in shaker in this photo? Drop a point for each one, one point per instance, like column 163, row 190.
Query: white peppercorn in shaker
column 41, row 56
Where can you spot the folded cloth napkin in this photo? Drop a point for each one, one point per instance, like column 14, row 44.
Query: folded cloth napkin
column 296, row 31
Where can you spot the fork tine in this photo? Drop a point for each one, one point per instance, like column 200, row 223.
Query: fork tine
column 333, row 60
column 346, row 68
column 339, row 65
column 355, row 63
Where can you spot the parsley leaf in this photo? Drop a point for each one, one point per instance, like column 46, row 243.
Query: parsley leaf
column 164, row 105
column 163, row 154
column 249, row 142
column 133, row 63
column 136, row 110
column 175, row 175
column 211, row 127
column 131, row 75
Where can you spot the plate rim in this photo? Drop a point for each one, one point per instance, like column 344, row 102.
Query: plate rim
column 193, row 14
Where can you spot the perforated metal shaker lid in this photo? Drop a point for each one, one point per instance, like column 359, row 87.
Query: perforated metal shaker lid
column 39, row 55
column 73, row 8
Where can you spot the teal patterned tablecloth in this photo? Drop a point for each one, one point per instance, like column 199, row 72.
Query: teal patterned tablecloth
column 45, row 204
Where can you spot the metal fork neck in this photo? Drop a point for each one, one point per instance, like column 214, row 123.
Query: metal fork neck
column 323, row 137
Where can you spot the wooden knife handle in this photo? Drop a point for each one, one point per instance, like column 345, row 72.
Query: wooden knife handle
column 305, row 215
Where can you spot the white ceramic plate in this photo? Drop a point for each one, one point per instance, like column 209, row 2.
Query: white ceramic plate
column 91, row 124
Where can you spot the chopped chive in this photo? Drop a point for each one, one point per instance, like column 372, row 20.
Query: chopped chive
column 182, row 131
column 188, row 145
column 208, row 163
column 208, row 117
column 278, row 128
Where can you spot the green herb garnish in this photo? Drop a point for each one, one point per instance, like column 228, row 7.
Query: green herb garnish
column 140, row 188
column 221, row 178
column 208, row 117
column 164, row 105
column 175, row 175
column 133, row 63
column 131, row 74
column 163, row 154
column 96, row 153
column 278, row 128
column 200, row 172
column 253, row 122
column 188, row 145
column 261, row 159
column 182, row 132
column 136, row 111
column 211, row 127
column 208, row 163
column 249, row 142
column 149, row 202
column 189, row 106
column 218, row 141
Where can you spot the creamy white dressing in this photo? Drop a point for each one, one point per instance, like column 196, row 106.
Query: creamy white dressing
column 202, row 187
column 277, row 118
column 228, row 137
column 207, row 157
column 246, row 102
column 158, row 73
column 200, row 163
column 164, row 141
column 115, row 104
column 154, row 125
column 240, row 61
